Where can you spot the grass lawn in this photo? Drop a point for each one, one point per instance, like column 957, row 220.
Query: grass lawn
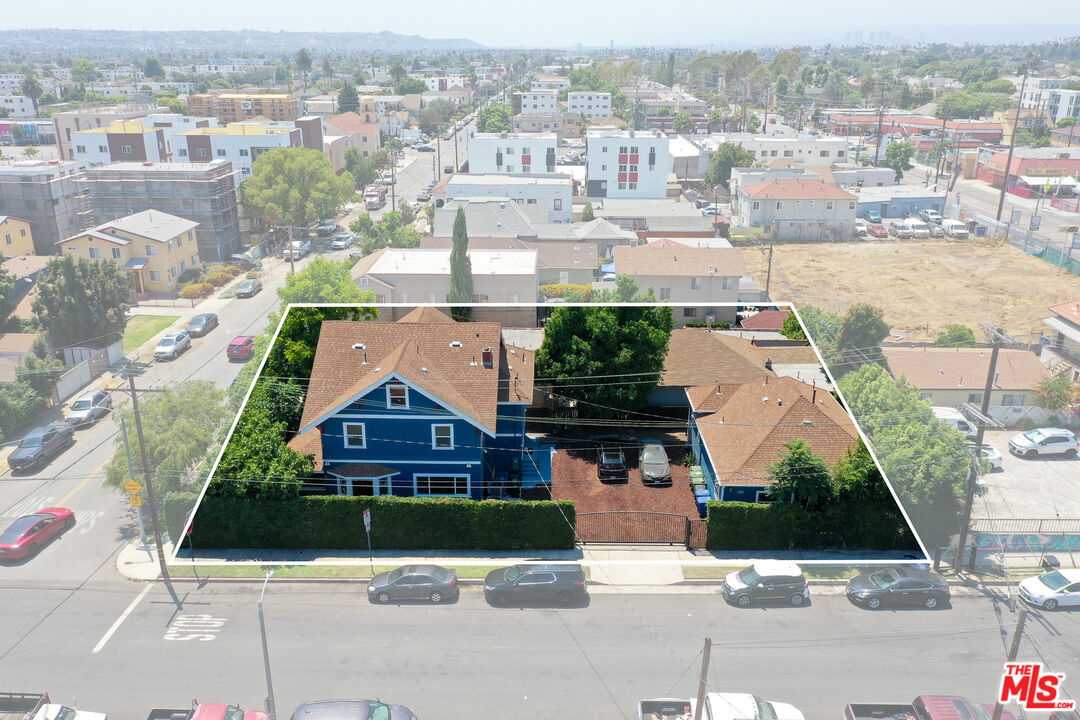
column 359, row 572
column 141, row 328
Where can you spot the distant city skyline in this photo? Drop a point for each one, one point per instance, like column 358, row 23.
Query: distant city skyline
column 566, row 23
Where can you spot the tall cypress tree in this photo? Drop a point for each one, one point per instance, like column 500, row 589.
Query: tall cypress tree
column 348, row 99
column 461, row 280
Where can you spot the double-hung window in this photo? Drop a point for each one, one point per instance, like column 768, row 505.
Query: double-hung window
column 442, row 437
column 397, row 396
column 354, row 434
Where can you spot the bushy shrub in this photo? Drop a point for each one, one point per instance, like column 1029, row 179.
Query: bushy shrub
column 190, row 275
column 196, row 290
column 779, row 526
column 218, row 279
column 558, row 290
column 233, row 270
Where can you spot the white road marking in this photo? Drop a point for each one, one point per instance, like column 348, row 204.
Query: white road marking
column 121, row 619
column 29, row 505
column 194, row 627
column 86, row 522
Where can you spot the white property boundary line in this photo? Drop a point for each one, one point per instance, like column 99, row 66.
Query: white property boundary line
column 409, row 560
column 120, row 620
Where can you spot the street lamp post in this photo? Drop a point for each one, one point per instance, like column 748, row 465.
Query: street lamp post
column 271, row 707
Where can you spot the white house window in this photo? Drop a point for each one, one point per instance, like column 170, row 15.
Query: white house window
column 726, row 283
column 95, row 253
column 695, row 283
column 665, row 293
column 975, row 397
column 221, row 152
column 200, row 152
column 1012, row 399
column 442, row 437
column 757, row 205
column 155, row 276
column 828, row 205
column 244, row 152
column 126, row 149
column 851, row 205
column 80, row 148
column 689, row 312
column 442, row 484
column 397, row 396
column 354, row 434
column 558, row 204
column 779, row 205
column 103, row 148
column 182, row 152
column 151, row 251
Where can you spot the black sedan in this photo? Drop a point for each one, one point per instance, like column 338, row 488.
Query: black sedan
column 202, row 324
column 41, row 445
column 414, row 582
column 898, row 586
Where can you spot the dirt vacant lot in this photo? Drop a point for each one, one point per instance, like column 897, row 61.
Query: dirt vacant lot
column 921, row 286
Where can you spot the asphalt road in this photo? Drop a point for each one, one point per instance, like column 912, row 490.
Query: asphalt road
column 467, row 659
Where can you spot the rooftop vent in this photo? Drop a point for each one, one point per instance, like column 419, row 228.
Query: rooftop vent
column 765, row 398
column 473, row 363
column 424, row 370
column 779, row 402
column 455, row 344
column 359, row 346
column 807, row 422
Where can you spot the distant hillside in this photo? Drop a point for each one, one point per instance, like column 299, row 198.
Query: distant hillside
column 95, row 43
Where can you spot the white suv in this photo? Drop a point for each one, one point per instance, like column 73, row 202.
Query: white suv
column 1044, row 441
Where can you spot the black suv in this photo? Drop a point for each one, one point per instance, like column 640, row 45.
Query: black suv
column 611, row 464
column 41, row 445
column 565, row 584
column 768, row 581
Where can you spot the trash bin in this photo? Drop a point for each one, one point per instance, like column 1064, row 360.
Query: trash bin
column 1050, row 562
column 702, row 497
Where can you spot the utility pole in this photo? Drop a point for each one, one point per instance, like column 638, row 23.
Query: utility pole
column 1014, row 648
column 393, row 183
column 1012, row 142
column 765, row 125
column 150, row 486
column 271, row 706
column 880, row 122
column 292, row 258
column 703, row 679
column 941, row 152
column 438, row 149
column 768, row 274
column 131, row 472
column 456, row 163
column 969, row 498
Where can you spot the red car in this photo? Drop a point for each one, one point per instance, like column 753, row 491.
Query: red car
column 241, row 348
column 27, row 535
column 877, row 230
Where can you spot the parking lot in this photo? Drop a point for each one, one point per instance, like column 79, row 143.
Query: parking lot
column 1043, row 487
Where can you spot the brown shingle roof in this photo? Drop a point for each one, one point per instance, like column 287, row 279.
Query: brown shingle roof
column 22, row 266
column 691, row 262
column 795, row 190
column 786, row 355
column 765, row 320
column 353, row 124
column 931, row 368
column 427, row 314
column 421, row 354
column 309, row 443
column 698, row 357
column 748, row 425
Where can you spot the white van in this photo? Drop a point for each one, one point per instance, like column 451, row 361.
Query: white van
column 953, row 417
column 955, row 228
column 918, row 228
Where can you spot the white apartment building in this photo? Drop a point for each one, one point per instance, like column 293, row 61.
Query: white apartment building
column 11, row 82
column 18, row 106
column 627, row 164
column 512, row 152
column 538, row 102
column 240, row 143
column 809, row 149
column 588, row 103
column 445, row 82
column 1062, row 104
column 554, row 193
column 542, row 81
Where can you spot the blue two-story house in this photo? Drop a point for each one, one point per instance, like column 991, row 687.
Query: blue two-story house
column 420, row 407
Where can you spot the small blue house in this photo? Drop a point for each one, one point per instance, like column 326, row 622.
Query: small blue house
column 420, row 407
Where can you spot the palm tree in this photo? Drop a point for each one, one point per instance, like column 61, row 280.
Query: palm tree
column 303, row 64
column 32, row 89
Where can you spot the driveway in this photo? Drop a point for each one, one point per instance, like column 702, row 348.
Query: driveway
column 1038, row 488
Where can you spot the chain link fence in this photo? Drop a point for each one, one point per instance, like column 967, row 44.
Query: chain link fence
column 1062, row 251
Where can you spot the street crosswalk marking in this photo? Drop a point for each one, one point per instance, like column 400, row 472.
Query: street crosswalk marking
column 195, row 627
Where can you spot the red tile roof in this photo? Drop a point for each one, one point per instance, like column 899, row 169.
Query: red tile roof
column 795, row 190
column 1068, row 311
column 353, row 124
column 690, row 262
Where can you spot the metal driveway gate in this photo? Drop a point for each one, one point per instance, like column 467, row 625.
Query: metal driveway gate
column 633, row 527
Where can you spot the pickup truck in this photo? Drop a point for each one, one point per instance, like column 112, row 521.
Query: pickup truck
column 924, row 707
column 206, row 711
column 718, row 706
column 297, row 250
column 18, row 706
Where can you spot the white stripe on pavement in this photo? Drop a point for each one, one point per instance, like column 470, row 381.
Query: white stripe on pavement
column 121, row 619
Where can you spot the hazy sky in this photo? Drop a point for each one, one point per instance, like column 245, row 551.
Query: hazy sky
column 547, row 23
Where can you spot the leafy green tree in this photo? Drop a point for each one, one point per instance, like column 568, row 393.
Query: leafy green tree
column 461, row 279
column 7, row 292
column 40, row 370
column 294, row 186
column 84, row 72
column 361, row 224
column 153, row 68
column 409, row 86
column 19, row 402
column 257, row 462
column 179, row 425
column 582, row 344
column 955, row 335
column 294, row 350
column 792, row 329
column 782, row 83
column 856, row 476
column 303, row 64
column 390, row 231
column 174, row 104
column 726, row 157
column 327, row 68
column 861, row 333
column 1059, row 392
column 494, row 118
column 82, row 301
column 682, row 123
column 898, row 156
column 323, row 281
column 588, row 213
column 800, row 476
column 925, row 464
column 398, row 72
column 348, row 99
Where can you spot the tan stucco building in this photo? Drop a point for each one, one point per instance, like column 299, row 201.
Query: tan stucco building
column 16, row 238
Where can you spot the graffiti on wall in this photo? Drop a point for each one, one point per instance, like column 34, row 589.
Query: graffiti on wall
column 1026, row 542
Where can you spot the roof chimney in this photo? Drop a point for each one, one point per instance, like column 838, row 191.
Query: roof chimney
column 779, row 402
column 768, row 363
column 486, row 358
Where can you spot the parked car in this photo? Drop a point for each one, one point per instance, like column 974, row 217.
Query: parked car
column 711, row 211
column 989, row 455
column 352, row 710
column 249, row 288
column 296, row 250
column 860, row 228
column 898, row 229
column 202, row 324
column 611, row 463
column 877, row 230
column 89, row 408
column 955, row 229
column 172, row 345
column 653, row 463
column 423, row 196
column 245, row 262
column 424, row 148
column 872, row 216
column 925, row 707
column 241, row 348
column 388, row 177
column 1044, row 441
column 564, row 584
column 1059, row 588
column 898, row 586
column 917, row 228
column 448, row 169
column 342, row 241
column 930, row 216
column 27, row 535
column 41, row 445
column 327, row 228
column 767, row 580
column 936, row 231
column 414, row 582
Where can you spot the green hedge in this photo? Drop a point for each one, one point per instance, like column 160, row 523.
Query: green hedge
column 778, row 526
column 336, row 522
